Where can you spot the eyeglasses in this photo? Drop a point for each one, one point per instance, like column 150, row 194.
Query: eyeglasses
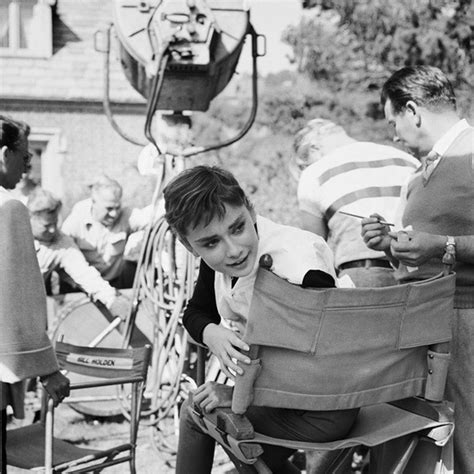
column 27, row 158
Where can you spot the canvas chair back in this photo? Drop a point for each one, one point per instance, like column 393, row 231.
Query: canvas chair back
column 329, row 349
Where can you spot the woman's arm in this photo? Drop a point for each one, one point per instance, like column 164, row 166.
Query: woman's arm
column 202, row 320
column 201, row 309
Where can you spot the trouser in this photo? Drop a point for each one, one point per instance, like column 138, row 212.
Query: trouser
column 3, row 435
column 126, row 277
column 460, row 389
column 196, row 448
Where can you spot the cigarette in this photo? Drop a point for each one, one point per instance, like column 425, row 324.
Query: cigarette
column 362, row 217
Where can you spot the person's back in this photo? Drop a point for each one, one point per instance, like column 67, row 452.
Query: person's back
column 354, row 177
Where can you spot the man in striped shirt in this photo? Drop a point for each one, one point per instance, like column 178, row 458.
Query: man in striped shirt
column 343, row 174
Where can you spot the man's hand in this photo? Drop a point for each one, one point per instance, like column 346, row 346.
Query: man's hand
column 417, row 247
column 57, row 386
column 120, row 307
column 376, row 235
column 212, row 395
column 225, row 345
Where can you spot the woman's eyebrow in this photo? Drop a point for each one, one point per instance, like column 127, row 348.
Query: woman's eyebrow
column 206, row 238
column 238, row 220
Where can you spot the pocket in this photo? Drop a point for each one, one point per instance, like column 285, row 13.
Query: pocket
column 284, row 315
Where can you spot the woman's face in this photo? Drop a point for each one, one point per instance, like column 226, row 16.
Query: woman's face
column 16, row 162
column 228, row 245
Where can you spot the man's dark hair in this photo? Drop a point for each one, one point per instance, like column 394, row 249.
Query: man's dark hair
column 198, row 195
column 427, row 86
column 11, row 132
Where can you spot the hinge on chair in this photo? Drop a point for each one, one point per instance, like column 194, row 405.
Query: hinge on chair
column 223, row 435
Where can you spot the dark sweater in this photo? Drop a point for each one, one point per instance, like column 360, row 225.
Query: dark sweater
column 445, row 206
column 202, row 309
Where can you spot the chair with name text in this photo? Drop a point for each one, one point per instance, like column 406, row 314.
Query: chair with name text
column 35, row 447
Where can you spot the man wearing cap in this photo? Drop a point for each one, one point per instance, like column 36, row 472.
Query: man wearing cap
column 340, row 173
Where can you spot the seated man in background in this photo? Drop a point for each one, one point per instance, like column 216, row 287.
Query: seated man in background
column 58, row 252
column 340, row 173
column 100, row 227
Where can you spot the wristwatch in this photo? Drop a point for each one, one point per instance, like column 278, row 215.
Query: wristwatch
column 449, row 257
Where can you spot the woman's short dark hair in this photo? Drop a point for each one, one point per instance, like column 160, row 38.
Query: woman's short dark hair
column 427, row 86
column 198, row 195
column 12, row 131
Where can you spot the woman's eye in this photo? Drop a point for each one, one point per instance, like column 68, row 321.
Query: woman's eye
column 240, row 228
column 210, row 244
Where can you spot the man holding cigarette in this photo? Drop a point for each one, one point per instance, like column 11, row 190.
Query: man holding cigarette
column 439, row 206
column 343, row 179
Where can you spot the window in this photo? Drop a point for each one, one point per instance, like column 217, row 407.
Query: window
column 49, row 149
column 26, row 28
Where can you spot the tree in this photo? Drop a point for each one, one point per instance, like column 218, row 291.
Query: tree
column 374, row 37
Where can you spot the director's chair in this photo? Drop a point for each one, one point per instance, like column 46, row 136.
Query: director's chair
column 381, row 349
column 34, row 446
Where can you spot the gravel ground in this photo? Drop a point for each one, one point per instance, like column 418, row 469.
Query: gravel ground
column 103, row 433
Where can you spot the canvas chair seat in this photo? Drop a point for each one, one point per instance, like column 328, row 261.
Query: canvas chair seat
column 375, row 425
column 329, row 349
column 26, row 448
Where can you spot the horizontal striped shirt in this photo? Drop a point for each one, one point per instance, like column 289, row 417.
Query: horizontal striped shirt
column 361, row 178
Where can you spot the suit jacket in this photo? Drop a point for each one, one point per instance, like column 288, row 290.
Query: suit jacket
column 25, row 349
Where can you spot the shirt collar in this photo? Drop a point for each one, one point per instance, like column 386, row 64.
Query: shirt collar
column 443, row 143
column 88, row 219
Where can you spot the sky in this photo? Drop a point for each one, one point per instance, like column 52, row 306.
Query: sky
column 270, row 18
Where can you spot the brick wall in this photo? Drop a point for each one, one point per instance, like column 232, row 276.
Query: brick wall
column 93, row 147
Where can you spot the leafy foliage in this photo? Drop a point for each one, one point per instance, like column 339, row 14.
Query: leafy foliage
column 373, row 37
column 343, row 50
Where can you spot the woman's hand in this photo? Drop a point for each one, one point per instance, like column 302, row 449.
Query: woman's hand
column 212, row 395
column 226, row 345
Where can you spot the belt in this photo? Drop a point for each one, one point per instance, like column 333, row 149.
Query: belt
column 365, row 263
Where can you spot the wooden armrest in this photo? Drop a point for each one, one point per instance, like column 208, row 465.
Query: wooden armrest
column 226, row 421
column 237, row 426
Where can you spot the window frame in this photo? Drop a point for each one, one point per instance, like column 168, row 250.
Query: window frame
column 42, row 35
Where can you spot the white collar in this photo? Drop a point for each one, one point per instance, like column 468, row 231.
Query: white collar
column 443, row 143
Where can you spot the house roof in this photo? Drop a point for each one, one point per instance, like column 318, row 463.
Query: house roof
column 75, row 70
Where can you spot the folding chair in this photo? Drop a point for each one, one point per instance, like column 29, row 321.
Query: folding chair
column 381, row 349
column 34, row 446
